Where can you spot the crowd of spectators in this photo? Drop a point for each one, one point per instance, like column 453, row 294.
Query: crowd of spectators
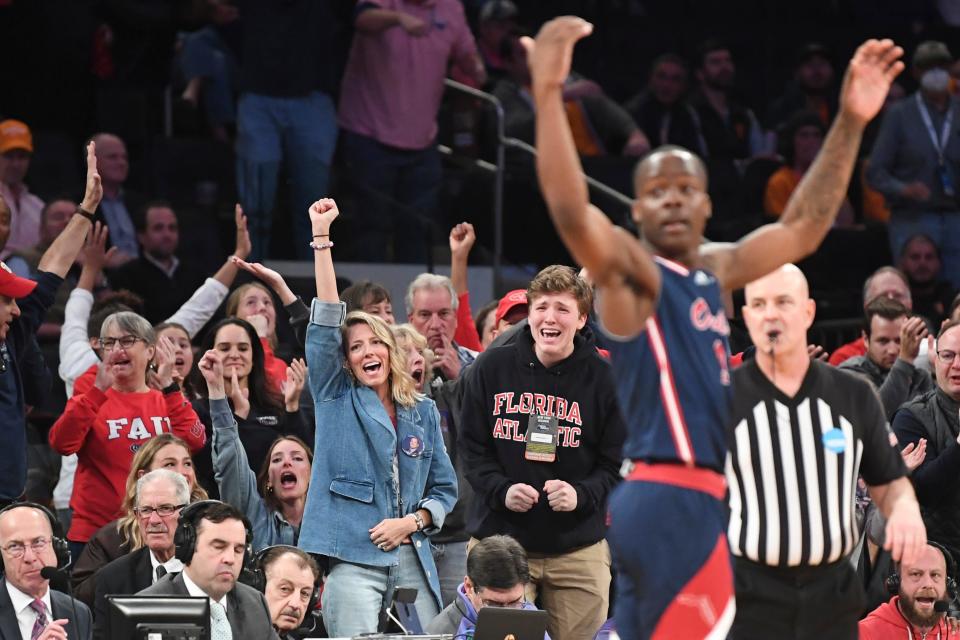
column 397, row 453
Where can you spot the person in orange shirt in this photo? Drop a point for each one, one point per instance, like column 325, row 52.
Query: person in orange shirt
column 800, row 140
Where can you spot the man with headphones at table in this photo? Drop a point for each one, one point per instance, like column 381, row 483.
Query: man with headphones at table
column 212, row 542
column 30, row 540
column 923, row 590
column 289, row 579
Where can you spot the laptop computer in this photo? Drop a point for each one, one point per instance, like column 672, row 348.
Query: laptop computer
column 494, row 623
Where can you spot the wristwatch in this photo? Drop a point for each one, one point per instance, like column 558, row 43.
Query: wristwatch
column 418, row 519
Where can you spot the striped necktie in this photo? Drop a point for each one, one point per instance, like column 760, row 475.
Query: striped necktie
column 41, row 622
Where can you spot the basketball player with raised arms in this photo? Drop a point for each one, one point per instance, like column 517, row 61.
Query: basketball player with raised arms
column 659, row 300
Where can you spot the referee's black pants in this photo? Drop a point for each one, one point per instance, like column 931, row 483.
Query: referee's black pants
column 799, row 603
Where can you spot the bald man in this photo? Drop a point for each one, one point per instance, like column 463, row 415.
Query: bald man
column 800, row 434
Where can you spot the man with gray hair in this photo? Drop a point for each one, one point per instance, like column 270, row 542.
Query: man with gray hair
column 432, row 309
column 161, row 494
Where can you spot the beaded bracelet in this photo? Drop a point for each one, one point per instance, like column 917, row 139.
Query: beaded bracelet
column 321, row 246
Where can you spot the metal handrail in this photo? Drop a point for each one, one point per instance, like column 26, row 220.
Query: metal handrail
column 498, row 169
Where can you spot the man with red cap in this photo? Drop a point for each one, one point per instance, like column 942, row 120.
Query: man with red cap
column 23, row 304
column 511, row 310
column 16, row 149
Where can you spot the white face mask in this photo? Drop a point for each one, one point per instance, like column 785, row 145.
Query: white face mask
column 935, row 80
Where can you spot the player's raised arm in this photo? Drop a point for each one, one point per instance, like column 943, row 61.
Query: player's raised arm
column 814, row 204
column 612, row 258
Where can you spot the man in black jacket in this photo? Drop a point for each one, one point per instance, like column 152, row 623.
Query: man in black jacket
column 934, row 418
column 540, row 439
column 160, row 496
column 893, row 341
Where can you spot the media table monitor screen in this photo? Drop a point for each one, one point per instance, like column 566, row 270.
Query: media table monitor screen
column 159, row 617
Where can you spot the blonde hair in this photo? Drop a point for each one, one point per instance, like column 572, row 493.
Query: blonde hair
column 127, row 525
column 233, row 305
column 402, row 387
column 407, row 334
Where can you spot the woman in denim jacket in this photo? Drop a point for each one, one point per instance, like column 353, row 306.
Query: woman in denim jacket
column 381, row 479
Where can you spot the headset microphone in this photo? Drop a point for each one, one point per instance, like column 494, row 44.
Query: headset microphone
column 60, row 581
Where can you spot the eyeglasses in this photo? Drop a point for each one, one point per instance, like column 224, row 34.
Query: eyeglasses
column 125, row 342
column 519, row 603
column 17, row 549
column 162, row 510
column 946, row 356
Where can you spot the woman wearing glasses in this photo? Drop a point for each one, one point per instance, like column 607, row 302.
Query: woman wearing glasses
column 382, row 481
column 106, row 425
column 121, row 536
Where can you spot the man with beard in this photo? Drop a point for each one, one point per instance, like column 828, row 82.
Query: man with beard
column 892, row 337
column 913, row 612
column 920, row 262
column 812, row 89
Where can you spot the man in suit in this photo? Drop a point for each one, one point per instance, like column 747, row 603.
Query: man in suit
column 29, row 609
column 161, row 494
column 212, row 538
column 290, row 578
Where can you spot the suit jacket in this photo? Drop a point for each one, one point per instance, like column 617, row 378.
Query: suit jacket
column 81, row 628
column 246, row 607
column 126, row 576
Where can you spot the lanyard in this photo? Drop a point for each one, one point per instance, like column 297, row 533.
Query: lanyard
column 940, row 144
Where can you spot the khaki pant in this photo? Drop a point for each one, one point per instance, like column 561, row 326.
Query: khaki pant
column 574, row 589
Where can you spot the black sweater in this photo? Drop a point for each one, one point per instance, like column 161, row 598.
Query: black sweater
column 503, row 383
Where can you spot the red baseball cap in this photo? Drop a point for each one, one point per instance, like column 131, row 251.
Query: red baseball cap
column 515, row 298
column 12, row 285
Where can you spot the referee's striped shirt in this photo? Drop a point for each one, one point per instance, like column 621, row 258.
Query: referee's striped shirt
column 793, row 464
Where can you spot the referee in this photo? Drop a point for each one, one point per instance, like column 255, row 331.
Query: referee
column 800, row 433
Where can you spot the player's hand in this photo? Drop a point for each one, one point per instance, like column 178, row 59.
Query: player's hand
column 521, row 498
column 868, row 78
column 551, row 54
column 913, row 454
column 912, row 333
column 905, row 533
column 560, row 495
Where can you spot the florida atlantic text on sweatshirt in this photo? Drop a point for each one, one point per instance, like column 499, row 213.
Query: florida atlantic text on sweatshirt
column 503, row 388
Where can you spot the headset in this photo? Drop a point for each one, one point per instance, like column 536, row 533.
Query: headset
column 893, row 581
column 60, row 546
column 185, row 538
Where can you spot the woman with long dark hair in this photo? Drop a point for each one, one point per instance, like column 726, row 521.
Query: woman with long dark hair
column 261, row 413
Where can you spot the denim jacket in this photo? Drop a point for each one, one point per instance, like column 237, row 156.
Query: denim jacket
column 351, row 482
column 238, row 484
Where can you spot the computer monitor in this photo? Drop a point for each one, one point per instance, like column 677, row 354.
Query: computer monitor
column 159, row 617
